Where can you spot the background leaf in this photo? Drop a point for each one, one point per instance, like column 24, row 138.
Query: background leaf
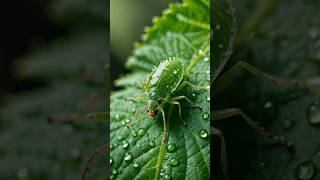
column 182, row 31
column 282, row 49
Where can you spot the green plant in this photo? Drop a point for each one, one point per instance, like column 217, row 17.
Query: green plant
column 290, row 111
column 183, row 31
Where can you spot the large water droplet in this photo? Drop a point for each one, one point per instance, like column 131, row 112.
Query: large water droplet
column 203, row 133
column 171, row 147
column 313, row 113
column 267, row 105
column 205, row 116
column 208, row 97
column 141, row 132
column 167, row 176
column 114, row 171
column 125, row 144
column 152, row 143
column 23, row 172
column 134, row 133
column 174, row 162
column 120, row 138
column 111, row 161
column 136, row 165
column 305, row 170
column 128, row 157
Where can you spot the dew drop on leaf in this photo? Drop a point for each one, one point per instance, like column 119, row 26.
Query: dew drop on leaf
column 206, row 59
column 313, row 112
column 152, row 143
column 267, row 105
column 205, row 116
column 208, row 97
column 120, row 138
column 111, row 160
column 128, row 157
column 167, row 177
column 141, row 132
column 174, row 162
column 114, row 171
column 171, row 147
column 125, row 144
column 305, row 170
column 203, row 133
column 136, row 165
column 134, row 133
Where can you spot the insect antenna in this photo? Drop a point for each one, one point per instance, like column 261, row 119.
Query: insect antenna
column 135, row 120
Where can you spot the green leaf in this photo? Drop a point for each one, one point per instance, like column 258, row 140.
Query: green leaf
column 138, row 152
column 282, row 49
column 224, row 31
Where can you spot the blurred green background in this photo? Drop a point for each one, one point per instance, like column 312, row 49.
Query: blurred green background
column 52, row 65
column 128, row 19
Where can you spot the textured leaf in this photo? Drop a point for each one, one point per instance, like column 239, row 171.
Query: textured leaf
column 223, row 27
column 33, row 148
column 183, row 32
column 282, row 49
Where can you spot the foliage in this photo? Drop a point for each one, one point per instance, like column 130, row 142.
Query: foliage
column 270, row 39
column 70, row 75
column 182, row 31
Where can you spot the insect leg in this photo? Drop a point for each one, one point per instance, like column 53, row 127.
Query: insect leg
column 223, row 153
column 183, row 97
column 177, row 103
column 184, row 83
column 312, row 84
column 226, row 113
column 164, row 137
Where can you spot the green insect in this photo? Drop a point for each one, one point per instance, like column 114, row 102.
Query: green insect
column 161, row 86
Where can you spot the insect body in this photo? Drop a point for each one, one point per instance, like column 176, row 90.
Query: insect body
column 162, row 83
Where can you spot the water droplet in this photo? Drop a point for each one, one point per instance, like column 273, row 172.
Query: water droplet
column 123, row 123
column 141, row 132
column 166, row 156
column 218, row 27
column 114, row 171
column 175, row 72
column 171, row 147
column 23, row 172
column 305, row 170
column 267, row 105
column 133, row 110
column 134, row 133
column 206, row 59
column 193, row 94
column 111, row 160
column 313, row 113
column 167, row 177
column 120, row 138
column 136, row 164
column 125, row 144
column 203, row 133
column 205, row 116
column 152, row 142
column 208, row 97
column 174, row 162
column 128, row 121
column 128, row 157
column 117, row 116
